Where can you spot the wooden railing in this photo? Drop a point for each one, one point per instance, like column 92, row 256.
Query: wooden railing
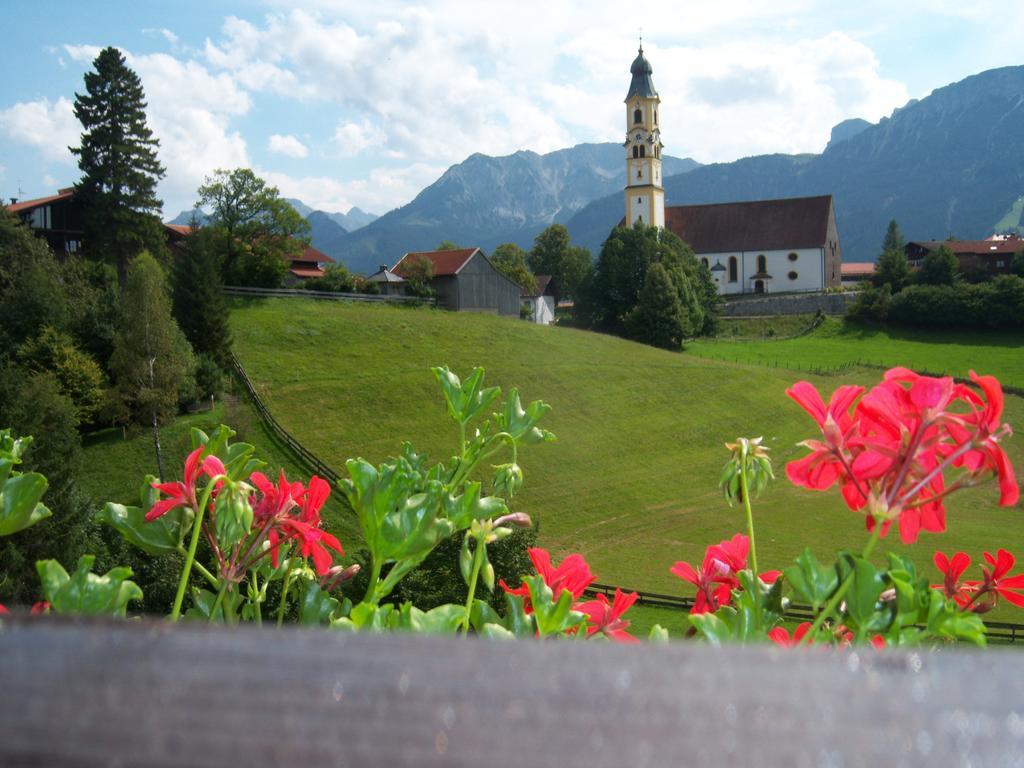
column 238, row 290
column 145, row 693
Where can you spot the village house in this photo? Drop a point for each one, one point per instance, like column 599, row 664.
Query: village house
column 759, row 246
column 387, row 282
column 540, row 302
column 992, row 256
column 466, row 281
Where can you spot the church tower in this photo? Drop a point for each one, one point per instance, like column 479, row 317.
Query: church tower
column 645, row 197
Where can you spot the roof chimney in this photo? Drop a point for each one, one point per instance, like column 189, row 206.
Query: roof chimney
column 14, row 200
column 383, row 267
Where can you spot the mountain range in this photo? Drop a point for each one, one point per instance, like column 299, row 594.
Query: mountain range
column 950, row 164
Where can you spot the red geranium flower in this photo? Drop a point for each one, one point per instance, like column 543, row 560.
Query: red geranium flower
column 183, row 494
column 573, row 575
column 717, row 577
column 292, row 512
column 606, row 617
column 781, row 636
column 996, row 580
column 952, row 570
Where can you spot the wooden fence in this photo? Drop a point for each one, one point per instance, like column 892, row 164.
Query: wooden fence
column 238, row 290
column 144, row 693
column 313, row 462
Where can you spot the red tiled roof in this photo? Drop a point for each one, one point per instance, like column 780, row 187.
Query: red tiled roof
column 445, row 262
column 762, row 225
column 307, row 271
column 313, row 255
column 857, row 268
column 181, row 229
column 25, row 205
column 963, row 247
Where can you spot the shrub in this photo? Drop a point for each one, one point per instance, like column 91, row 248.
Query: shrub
column 77, row 374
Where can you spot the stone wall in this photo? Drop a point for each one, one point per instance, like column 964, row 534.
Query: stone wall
column 789, row 304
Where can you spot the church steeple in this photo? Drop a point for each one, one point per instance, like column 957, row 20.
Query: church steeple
column 645, row 197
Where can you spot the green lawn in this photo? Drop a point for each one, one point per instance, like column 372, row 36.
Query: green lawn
column 762, row 328
column 836, row 344
column 631, row 482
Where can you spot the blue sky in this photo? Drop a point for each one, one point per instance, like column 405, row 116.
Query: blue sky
column 342, row 103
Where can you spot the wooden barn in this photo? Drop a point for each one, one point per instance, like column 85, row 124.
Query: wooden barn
column 465, row 281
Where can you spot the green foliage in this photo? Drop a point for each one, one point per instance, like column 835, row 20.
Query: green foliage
column 510, row 260
column 86, row 593
column 893, row 240
column 621, row 271
column 77, row 374
column 336, row 278
column 198, row 298
column 553, row 254
column 255, row 230
column 119, row 165
column 892, row 269
column 872, row 304
column 151, row 360
column 209, row 377
column 418, row 272
column 658, row 318
column 31, row 295
column 1017, row 262
column 998, row 303
column 939, row 267
column 93, row 299
column 448, row 245
column 20, row 494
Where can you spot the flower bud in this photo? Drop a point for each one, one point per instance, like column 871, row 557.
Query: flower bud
column 520, row 519
column 339, row 575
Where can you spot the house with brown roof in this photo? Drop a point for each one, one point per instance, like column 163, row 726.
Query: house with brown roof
column 763, row 246
column 992, row 256
column 55, row 218
column 466, row 281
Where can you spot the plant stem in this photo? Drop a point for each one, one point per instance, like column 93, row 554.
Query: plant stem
column 214, row 582
column 746, row 505
column 190, row 556
column 284, row 592
column 257, row 611
column 218, row 601
column 371, row 589
column 478, row 561
column 833, row 602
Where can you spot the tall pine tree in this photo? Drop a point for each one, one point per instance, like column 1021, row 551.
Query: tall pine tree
column 119, row 165
column 199, row 305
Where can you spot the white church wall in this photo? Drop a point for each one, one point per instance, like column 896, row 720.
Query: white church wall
column 807, row 268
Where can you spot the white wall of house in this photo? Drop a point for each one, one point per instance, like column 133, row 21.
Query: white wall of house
column 543, row 309
column 805, row 272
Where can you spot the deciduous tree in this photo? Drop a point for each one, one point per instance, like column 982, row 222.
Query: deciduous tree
column 939, row 267
column 258, row 230
column 152, row 361
column 553, row 254
column 510, row 260
column 118, row 159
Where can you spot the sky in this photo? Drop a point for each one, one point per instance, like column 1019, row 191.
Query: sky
column 345, row 104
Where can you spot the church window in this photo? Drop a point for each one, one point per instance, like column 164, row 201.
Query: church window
column 793, row 275
column 793, row 257
column 733, row 270
column 704, row 261
column 638, row 116
column 639, row 173
column 655, row 117
column 762, row 263
column 642, row 148
column 636, row 152
column 639, row 200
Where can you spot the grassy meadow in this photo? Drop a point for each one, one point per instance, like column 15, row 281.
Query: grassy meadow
column 631, row 482
column 836, row 344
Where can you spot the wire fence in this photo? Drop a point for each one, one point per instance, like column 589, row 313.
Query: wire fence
column 997, row 632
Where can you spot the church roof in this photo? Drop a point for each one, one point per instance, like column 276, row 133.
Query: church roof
column 641, row 85
column 757, row 225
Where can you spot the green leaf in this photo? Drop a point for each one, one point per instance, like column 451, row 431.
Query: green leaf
column 553, row 616
column 482, row 613
column 712, row 627
column 86, row 593
column 19, row 502
column 862, row 599
column 316, row 606
column 465, row 400
column 522, row 424
column 466, row 558
column 159, row 537
column 442, row 620
column 463, row 510
column 517, row 620
column 811, row 581
column 496, row 632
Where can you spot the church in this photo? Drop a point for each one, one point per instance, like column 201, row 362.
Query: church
column 757, row 246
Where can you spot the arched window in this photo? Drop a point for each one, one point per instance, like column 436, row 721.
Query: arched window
column 655, row 117
column 639, row 200
column 638, row 116
column 704, row 261
column 636, row 151
column 733, row 270
column 762, row 264
column 642, row 148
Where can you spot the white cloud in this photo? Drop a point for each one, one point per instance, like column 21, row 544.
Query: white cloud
column 287, row 145
column 50, row 127
column 352, row 138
